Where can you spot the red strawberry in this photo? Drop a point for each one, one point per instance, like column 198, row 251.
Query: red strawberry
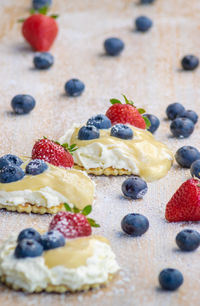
column 71, row 225
column 185, row 203
column 40, row 31
column 52, row 153
column 126, row 113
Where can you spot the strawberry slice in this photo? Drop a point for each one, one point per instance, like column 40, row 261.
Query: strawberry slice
column 185, row 203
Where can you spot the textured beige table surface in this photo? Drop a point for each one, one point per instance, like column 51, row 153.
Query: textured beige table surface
column 148, row 72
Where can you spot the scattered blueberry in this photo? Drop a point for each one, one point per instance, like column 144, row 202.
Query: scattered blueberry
column 10, row 159
column 190, row 62
column 36, row 166
column 23, row 104
column 52, row 240
column 134, row 188
column 10, row 174
column 121, row 131
column 113, row 46
column 43, row 60
column 29, row 233
column 195, row 169
column 100, row 121
column 88, row 132
column 74, row 87
column 155, row 122
column 28, row 248
column 188, row 240
column 146, row 1
column 186, row 155
column 174, row 110
column 135, row 224
column 190, row 115
column 170, row 279
column 182, row 127
column 143, row 23
column 38, row 4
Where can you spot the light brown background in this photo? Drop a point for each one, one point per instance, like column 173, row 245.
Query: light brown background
column 148, row 72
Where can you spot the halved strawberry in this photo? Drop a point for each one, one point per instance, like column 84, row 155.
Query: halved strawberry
column 185, row 203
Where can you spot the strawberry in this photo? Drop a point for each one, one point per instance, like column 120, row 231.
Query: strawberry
column 126, row 113
column 40, row 30
column 185, row 203
column 73, row 222
column 53, row 153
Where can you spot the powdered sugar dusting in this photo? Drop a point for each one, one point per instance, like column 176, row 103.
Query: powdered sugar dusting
column 146, row 72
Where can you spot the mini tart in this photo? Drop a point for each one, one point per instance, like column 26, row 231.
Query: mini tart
column 143, row 155
column 47, row 192
column 83, row 263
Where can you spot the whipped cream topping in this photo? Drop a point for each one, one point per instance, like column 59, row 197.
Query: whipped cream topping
column 31, row 273
column 143, row 155
column 50, row 188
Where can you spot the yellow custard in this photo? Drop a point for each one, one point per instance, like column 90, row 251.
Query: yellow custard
column 74, row 254
column 143, row 155
column 72, row 184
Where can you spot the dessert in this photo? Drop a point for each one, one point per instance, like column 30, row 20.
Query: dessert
column 39, row 187
column 35, row 263
column 100, row 153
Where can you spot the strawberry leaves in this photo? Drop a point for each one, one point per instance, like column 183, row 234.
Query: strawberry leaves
column 86, row 211
column 115, row 101
column 69, row 148
column 147, row 121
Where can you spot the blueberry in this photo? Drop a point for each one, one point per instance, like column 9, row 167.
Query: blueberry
column 113, row 46
column 52, row 240
column 100, row 121
column 10, row 174
column 188, row 240
column 43, row 60
column 134, row 187
column 121, row 131
column 195, row 169
column 174, row 110
column 190, row 62
column 182, row 127
column 10, row 159
column 135, row 224
column 88, row 132
column 74, row 87
column 143, row 23
column 170, row 279
column 29, row 233
column 23, row 104
column 37, row 4
column 36, row 166
column 190, row 115
column 186, row 155
column 155, row 122
column 28, row 248
column 146, row 1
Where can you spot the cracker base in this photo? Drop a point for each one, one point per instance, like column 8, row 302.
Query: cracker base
column 30, row 208
column 107, row 171
column 57, row 288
